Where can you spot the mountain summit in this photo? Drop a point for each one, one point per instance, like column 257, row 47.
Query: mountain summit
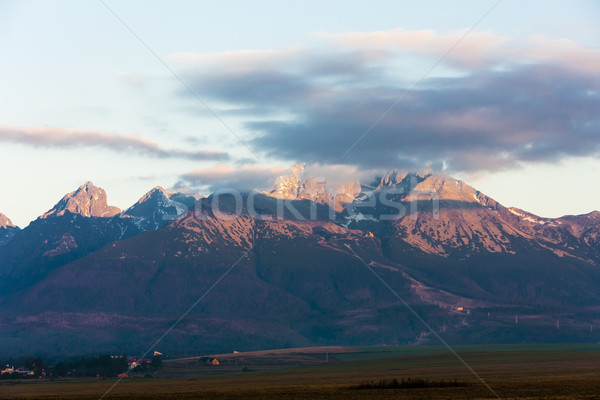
column 5, row 222
column 157, row 207
column 88, row 201
column 298, row 185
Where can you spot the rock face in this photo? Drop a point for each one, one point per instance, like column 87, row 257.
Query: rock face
column 5, row 222
column 88, row 201
column 7, row 229
column 297, row 186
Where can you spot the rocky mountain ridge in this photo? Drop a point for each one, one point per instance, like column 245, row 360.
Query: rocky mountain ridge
column 460, row 258
column 88, row 201
column 5, row 222
column 158, row 207
column 297, row 186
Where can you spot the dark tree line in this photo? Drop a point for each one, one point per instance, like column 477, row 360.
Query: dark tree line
column 103, row 365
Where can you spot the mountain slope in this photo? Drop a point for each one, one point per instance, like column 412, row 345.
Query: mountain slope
column 7, row 229
column 77, row 225
column 48, row 243
column 158, row 274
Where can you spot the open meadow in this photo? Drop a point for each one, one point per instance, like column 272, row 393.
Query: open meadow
column 428, row 372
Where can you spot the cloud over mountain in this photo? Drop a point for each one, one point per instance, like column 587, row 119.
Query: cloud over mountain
column 260, row 177
column 224, row 177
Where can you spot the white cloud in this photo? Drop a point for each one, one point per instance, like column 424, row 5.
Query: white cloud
column 477, row 49
column 224, row 176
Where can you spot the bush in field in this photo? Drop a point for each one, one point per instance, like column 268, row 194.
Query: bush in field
column 408, row 383
column 156, row 363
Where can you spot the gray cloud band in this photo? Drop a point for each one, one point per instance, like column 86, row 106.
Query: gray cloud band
column 67, row 138
column 483, row 119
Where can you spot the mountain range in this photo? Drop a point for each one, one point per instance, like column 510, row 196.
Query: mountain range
column 296, row 266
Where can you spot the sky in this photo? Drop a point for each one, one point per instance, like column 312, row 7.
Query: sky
column 198, row 95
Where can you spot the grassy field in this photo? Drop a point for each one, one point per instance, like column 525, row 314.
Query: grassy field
column 511, row 372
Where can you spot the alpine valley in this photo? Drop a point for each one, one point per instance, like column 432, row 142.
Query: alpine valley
column 302, row 264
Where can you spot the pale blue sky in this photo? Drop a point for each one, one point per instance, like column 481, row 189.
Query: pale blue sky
column 72, row 66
